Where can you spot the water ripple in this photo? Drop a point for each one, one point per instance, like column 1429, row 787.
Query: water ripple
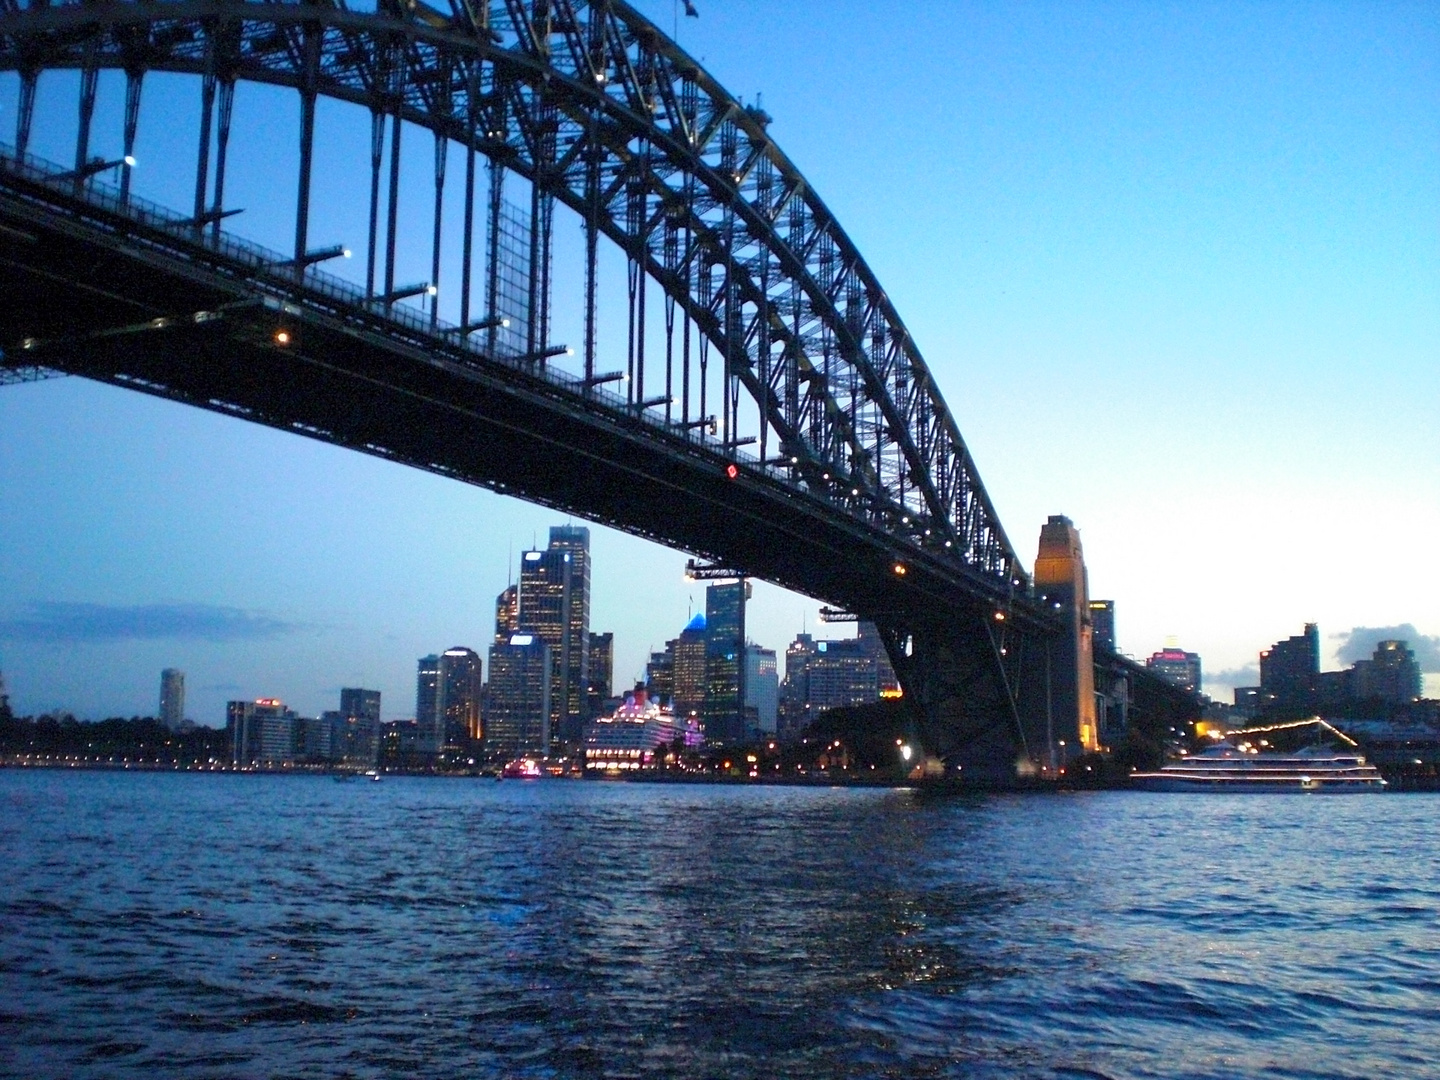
column 191, row 926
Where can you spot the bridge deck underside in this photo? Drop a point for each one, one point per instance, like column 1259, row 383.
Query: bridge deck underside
column 74, row 287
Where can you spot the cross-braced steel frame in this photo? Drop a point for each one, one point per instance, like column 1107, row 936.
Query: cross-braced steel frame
column 599, row 110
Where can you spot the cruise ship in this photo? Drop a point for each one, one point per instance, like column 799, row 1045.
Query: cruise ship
column 1224, row 767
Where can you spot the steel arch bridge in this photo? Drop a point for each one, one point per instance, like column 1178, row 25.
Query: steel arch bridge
column 782, row 423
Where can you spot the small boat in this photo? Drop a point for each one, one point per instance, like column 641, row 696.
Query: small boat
column 522, row 769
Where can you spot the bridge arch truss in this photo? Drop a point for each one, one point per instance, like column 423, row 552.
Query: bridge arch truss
column 599, row 110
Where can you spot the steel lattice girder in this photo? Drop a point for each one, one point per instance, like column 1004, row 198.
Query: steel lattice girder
column 570, row 93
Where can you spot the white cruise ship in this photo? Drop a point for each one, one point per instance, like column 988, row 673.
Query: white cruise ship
column 1226, row 768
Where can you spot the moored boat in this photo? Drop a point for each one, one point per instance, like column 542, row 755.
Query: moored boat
column 1226, row 768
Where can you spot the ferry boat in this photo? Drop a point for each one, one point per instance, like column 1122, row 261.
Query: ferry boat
column 522, row 769
column 1224, row 767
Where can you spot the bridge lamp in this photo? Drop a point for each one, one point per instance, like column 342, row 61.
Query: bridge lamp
column 97, row 166
column 906, row 751
column 282, row 337
column 999, row 616
column 901, row 569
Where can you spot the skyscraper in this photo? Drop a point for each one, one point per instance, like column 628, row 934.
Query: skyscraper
column 874, row 645
column 1289, row 671
column 688, row 668
column 172, row 698
column 1177, row 666
column 518, row 704
column 601, row 671
column 1102, row 624
column 762, row 688
column 795, row 690
column 507, row 614
column 553, row 603
column 725, row 661
column 430, row 735
column 660, row 674
column 355, row 731
column 460, row 686
column 1391, row 674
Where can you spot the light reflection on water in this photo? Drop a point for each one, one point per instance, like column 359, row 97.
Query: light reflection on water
column 198, row 926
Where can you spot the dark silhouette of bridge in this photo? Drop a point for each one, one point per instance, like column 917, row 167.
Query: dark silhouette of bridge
column 772, row 413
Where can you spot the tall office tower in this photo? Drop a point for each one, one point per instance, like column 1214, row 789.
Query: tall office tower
column 874, row 646
column 1060, row 578
column 262, row 732
column 461, row 686
column 725, row 661
column 601, row 672
column 1290, row 672
column 554, row 603
column 795, row 690
column 355, row 731
column 430, row 721
column 1391, row 674
column 840, row 674
column 762, row 688
column 1177, row 666
column 172, row 698
column 507, row 614
column 688, row 662
column 660, row 674
column 1102, row 624
column 517, row 705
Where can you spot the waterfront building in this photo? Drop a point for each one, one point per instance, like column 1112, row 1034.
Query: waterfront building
column 460, row 689
column 1177, row 667
column 553, row 603
column 262, row 732
column 314, row 737
column 355, row 730
column 762, row 688
column 518, row 703
column 172, row 698
column 1391, row 675
column 1102, row 624
column 427, row 705
column 724, row 710
column 1289, row 673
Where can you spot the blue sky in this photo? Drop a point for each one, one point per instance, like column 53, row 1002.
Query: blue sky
column 1176, row 267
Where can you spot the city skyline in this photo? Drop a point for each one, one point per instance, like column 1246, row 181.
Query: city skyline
column 1192, row 306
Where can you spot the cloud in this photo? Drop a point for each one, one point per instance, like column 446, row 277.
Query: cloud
column 1359, row 644
column 57, row 621
column 1249, row 675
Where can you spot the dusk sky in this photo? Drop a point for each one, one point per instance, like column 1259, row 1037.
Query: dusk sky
column 1176, row 268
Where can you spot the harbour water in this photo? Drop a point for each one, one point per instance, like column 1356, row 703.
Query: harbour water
column 190, row 925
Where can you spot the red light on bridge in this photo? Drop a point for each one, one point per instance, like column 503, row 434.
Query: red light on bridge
column 731, row 471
